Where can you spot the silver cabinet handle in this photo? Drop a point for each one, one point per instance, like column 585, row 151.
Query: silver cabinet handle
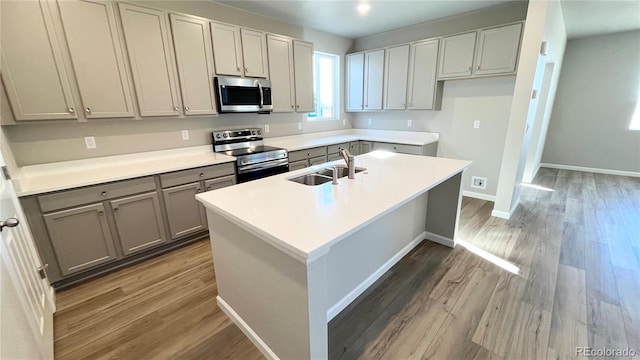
column 87, row 110
column 10, row 222
column 104, row 193
column 100, row 213
column 199, row 190
column 246, row 69
column 175, row 108
column 72, row 110
column 115, row 209
column 186, row 108
column 201, row 174
column 478, row 67
column 297, row 106
column 292, row 106
column 238, row 68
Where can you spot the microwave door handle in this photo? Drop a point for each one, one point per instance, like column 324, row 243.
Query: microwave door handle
column 261, row 95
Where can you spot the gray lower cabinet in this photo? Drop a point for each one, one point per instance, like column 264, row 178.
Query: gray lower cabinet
column 139, row 222
column 304, row 158
column 80, row 237
column 425, row 150
column 297, row 165
column 219, row 182
column 185, row 214
column 365, row 147
column 354, row 148
column 317, row 160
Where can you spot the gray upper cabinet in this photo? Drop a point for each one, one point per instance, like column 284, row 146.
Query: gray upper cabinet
column 395, row 77
column 96, row 54
column 355, row 81
column 254, row 53
column 76, row 253
column 138, row 222
column 191, row 39
column 281, row 72
column 151, row 58
column 373, row 79
column 227, row 49
column 423, row 63
column 303, row 72
column 33, row 71
column 456, row 55
column 186, row 215
column 498, row 50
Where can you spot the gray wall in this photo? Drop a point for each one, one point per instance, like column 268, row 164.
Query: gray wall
column 597, row 95
column 45, row 142
column 464, row 101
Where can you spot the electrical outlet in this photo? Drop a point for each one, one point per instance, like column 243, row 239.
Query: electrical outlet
column 185, row 134
column 476, row 124
column 266, row 128
column 478, row 182
column 299, row 125
column 369, row 122
column 344, row 122
column 90, row 142
column 409, row 123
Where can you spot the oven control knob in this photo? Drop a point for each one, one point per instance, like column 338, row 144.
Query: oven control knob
column 225, row 135
column 253, row 133
column 259, row 132
column 217, row 136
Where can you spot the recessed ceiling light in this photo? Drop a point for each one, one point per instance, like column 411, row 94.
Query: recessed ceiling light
column 363, row 8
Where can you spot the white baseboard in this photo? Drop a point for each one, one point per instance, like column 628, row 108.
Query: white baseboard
column 353, row 294
column 246, row 329
column 592, row 170
column 503, row 214
column 439, row 239
column 480, row 196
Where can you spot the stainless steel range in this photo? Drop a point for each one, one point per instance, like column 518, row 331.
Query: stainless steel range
column 254, row 159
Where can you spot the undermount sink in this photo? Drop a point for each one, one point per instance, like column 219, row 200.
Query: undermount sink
column 323, row 176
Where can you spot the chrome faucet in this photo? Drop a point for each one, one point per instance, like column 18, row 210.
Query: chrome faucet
column 348, row 158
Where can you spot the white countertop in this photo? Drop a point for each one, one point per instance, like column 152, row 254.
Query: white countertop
column 305, row 141
column 37, row 179
column 305, row 221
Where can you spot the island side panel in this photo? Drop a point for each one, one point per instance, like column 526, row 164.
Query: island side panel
column 269, row 292
column 358, row 260
column 443, row 211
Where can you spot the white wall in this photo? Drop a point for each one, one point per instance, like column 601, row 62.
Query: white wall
column 544, row 22
column 64, row 140
column 598, row 92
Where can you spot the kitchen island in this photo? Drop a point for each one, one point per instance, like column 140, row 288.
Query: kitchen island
column 289, row 257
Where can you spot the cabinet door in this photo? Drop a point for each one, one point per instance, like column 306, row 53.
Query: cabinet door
column 355, row 82
column 81, row 238
column 220, row 182
column 498, row 50
column 373, row 79
column 456, row 55
column 303, row 65
column 422, row 75
column 354, row 148
column 139, row 222
column 365, row 147
column 33, row 71
column 396, row 72
column 281, row 72
column 150, row 55
column 192, row 41
column 254, row 53
column 297, row 165
column 227, row 50
column 96, row 54
column 318, row 160
column 184, row 212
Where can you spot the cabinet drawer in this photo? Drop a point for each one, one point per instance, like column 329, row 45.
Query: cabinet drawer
column 219, row 182
column 307, row 153
column 332, row 149
column 297, row 165
column 318, row 160
column 192, row 175
column 399, row 148
column 95, row 193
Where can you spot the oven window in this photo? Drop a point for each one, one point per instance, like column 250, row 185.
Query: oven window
column 240, row 95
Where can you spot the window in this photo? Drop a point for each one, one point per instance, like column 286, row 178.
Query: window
column 326, row 85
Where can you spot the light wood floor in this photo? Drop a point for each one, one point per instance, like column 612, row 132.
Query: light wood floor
column 574, row 241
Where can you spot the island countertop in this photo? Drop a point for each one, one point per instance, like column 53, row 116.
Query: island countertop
column 304, row 221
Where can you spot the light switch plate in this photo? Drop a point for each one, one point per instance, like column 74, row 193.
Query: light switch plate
column 476, row 124
column 409, row 123
column 299, row 125
column 344, row 122
column 90, row 142
column 185, row 134
column 369, row 122
column 266, row 128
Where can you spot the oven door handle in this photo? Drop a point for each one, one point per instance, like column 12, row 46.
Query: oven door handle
column 262, row 166
column 261, row 95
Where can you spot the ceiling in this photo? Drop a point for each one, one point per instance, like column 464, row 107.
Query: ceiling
column 340, row 17
column 587, row 18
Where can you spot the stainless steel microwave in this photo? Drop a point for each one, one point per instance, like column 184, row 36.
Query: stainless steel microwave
column 239, row 95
